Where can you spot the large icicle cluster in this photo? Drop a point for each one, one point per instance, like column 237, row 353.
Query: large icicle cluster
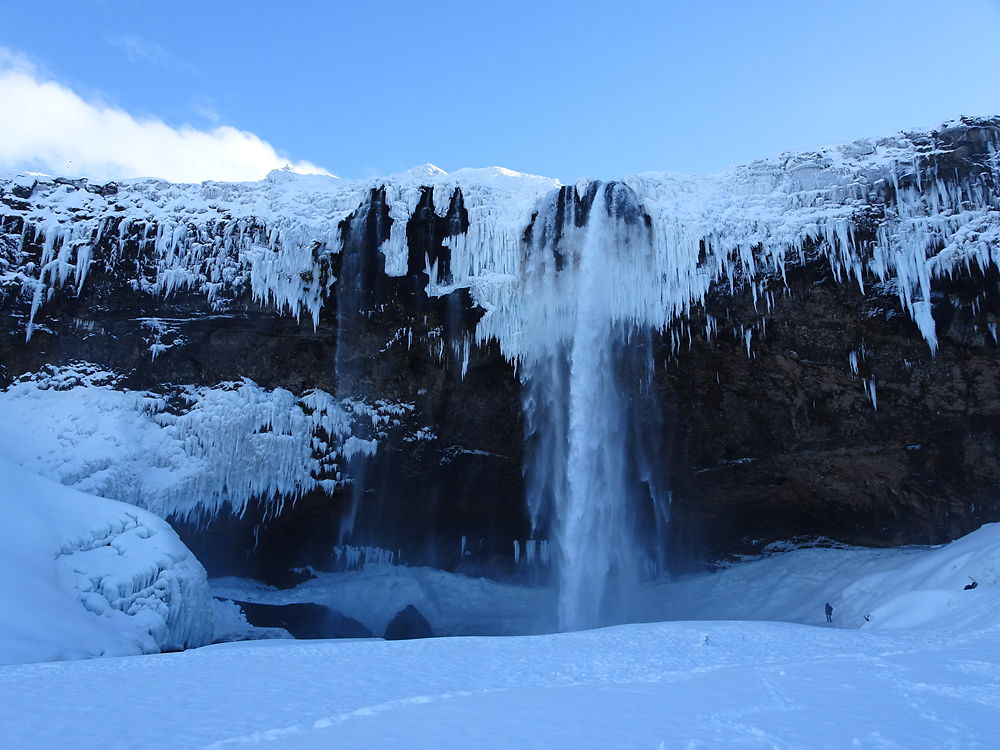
column 762, row 217
column 887, row 210
column 271, row 238
column 193, row 453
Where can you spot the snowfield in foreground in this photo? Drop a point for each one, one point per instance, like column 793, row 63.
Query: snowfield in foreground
column 670, row 685
column 922, row 672
column 84, row 576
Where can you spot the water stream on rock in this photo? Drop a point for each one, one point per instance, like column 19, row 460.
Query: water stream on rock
column 356, row 291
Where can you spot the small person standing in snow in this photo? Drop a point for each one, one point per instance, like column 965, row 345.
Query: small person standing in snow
column 829, row 612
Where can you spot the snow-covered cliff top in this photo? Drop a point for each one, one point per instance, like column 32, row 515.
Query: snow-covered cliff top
column 934, row 194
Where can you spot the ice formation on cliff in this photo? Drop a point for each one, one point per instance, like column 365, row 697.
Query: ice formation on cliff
column 188, row 456
column 897, row 211
column 739, row 226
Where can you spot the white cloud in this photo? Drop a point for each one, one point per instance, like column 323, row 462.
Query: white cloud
column 45, row 126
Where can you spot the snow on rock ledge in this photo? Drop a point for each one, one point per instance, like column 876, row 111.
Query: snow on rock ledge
column 82, row 576
column 189, row 453
column 270, row 238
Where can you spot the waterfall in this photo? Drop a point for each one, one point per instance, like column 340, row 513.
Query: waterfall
column 586, row 372
column 358, row 282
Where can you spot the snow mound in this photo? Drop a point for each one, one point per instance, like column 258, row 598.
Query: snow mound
column 83, row 576
column 891, row 589
column 930, row 592
column 453, row 604
column 897, row 588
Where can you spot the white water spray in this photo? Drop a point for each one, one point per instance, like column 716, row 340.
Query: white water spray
column 586, row 477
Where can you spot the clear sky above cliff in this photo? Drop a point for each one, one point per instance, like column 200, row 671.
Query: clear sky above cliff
column 564, row 89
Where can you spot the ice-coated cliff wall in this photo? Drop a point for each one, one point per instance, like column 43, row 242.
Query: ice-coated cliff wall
column 621, row 308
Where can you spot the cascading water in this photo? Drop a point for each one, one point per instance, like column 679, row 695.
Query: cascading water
column 586, row 372
column 357, row 281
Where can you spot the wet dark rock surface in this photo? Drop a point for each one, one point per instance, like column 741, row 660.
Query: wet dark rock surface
column 407, row 624
column 304, row 620
column 788, row 442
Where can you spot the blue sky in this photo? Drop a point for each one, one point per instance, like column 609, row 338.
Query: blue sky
column 564, row 89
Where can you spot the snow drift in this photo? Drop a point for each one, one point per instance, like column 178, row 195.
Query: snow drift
column 83, row 576
column 872, row 589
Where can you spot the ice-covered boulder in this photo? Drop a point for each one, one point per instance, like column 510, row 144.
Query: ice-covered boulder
column 83, row 576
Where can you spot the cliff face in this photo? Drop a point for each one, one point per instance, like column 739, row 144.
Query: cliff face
column 446, row 369
column 839, row 423
column 444, row 415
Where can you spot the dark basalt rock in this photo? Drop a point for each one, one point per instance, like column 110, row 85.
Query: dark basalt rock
column 408, row 624
column 305, row 621
column 787, row 442
column 286, row 578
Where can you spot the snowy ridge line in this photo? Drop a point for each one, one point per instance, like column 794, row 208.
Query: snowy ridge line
column 193, row 452
column 904, row 209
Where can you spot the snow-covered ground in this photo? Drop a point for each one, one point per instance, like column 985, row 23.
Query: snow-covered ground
column 671, row 685
column 896, row 589
column 923, row 671
column 83, row 576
